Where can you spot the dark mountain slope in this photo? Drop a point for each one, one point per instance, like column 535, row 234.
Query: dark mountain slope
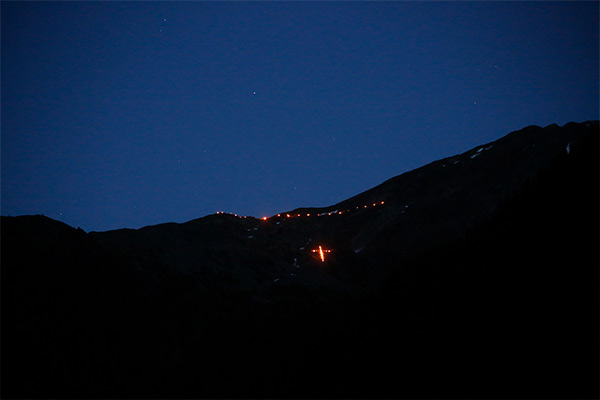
column 432, row 204
column 441, row 200
column 485, row 286
column 520, row 289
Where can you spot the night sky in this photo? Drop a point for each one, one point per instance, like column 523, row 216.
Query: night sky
column 129, row 114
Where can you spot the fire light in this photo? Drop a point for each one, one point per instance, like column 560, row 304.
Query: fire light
column 321, row 252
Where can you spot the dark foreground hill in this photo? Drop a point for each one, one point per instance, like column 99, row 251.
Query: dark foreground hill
column 473, row 276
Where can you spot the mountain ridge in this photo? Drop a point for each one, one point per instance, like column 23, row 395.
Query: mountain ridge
column 436, row 203
column 493, row 262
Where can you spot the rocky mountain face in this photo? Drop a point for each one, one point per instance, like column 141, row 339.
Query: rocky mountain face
column 475, row 275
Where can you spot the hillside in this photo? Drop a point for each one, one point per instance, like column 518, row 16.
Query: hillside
column 472, row 276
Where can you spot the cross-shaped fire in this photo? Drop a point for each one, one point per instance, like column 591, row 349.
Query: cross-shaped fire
column 321, row 252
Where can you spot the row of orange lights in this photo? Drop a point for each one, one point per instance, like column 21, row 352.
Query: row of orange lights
column 235, row 215
column 336, row 212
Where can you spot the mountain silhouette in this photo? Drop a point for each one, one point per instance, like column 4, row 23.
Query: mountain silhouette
column 472, row 276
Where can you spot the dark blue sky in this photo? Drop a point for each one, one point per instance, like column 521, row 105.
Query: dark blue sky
column 135, row 113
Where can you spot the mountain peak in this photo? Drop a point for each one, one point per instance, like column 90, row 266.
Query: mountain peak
column 456, row 269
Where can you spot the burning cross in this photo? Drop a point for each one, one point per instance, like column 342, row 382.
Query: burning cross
column 321, row 252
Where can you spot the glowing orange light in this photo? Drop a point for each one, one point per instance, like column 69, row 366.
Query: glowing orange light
column 308, row 215
column 264, row 218
column 382, row 202
column 279, row 215
column 321, row 252
column 288, row 215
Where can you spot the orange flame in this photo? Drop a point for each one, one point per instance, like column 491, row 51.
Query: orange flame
column 321, row 252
